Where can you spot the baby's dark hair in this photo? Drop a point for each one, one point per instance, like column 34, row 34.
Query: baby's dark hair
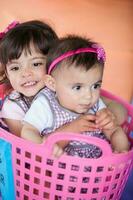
column 20, row 37
column 71, row 43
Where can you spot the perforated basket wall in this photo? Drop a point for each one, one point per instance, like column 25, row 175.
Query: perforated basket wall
column 38, row 176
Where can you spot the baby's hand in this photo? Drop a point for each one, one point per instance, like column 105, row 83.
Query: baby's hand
column 81, row 124
column 106, row 121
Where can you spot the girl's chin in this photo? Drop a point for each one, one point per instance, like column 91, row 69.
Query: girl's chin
column 29, row 94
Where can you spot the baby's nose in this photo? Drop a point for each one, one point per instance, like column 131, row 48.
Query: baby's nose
column 88, row 95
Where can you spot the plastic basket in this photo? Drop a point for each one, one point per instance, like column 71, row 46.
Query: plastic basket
column 37, row 175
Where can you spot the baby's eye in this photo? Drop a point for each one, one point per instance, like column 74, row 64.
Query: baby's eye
column 96, row 86
column 77, row 87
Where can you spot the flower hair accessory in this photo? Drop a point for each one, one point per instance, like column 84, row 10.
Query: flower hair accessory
column 9, row 27
column 100, row 52
column 94, row 49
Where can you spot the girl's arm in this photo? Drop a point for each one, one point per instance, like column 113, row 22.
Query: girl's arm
column 15, row 126
column 12, row 115
column 31, row 133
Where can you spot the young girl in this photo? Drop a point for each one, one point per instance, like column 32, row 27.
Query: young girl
column 23, row 51
column 75, row 70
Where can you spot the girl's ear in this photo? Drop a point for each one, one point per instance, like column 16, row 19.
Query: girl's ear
column 50, row 82
column 4, row 77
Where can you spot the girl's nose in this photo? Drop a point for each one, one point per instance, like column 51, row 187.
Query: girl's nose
column 26, row 72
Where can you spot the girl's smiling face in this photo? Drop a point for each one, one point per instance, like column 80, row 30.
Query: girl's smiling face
column 26, row 74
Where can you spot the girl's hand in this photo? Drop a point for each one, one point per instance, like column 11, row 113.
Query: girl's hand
column 107, row 122
column 57, row 151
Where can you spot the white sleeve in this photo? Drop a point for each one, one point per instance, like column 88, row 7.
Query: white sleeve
column 11, row 110
column 39, row 115
column 101, row 104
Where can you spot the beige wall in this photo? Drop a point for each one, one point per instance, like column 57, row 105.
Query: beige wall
column 108, row 22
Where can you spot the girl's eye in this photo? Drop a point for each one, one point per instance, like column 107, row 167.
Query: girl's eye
column 96, row 86
column 78, row 87
column 15, row 68
column 37, row 64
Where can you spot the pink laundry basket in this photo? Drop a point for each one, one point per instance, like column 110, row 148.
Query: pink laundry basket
column 38, row 176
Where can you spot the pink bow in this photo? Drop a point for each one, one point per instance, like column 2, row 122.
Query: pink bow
column 9, row 27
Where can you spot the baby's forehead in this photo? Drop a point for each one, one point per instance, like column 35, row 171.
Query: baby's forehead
column 73, row 66
column 74, row 71
column 80, row 75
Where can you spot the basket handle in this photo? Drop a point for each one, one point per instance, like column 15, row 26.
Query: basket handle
column 60, row 136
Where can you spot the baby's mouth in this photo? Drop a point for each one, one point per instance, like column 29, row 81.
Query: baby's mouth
column 85, row 105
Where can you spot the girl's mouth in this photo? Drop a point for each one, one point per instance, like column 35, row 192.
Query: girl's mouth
column 29, row 83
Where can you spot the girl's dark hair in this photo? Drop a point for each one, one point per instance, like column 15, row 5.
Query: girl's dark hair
column 20, row 38
column 69, row 43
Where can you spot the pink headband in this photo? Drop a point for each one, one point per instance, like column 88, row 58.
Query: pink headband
column 9, row 27
column 94, row 49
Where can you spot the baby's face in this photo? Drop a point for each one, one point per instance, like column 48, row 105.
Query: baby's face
column 77, row 89
column 26, row 74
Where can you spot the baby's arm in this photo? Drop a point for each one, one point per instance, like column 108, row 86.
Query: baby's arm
column 117, row 109
column 83, row 123
column 119, row 141
column 107, row 122
column 79, row 125
column 114, row 115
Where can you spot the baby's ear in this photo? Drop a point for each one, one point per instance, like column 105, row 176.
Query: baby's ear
column 50, row 82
